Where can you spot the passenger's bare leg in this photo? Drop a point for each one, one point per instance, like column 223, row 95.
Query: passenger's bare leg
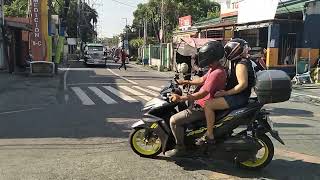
column 210, row 107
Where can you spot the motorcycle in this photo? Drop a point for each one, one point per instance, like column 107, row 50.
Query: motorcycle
column 250, row 148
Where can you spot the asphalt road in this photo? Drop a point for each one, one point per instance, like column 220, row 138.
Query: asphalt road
column 84, row 136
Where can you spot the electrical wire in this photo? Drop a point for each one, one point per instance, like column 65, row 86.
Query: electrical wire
column 129, row 5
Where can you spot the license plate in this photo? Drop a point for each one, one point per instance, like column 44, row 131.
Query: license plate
column 270, row 122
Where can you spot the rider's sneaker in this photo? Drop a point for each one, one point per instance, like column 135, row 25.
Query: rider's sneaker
column 179, row 151
column 205, row 140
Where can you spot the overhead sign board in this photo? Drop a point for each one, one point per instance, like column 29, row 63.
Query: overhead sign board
column 185, row 22
column 256, row 10
column 229, row 7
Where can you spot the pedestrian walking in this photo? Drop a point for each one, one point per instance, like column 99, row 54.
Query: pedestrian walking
column 123, row 56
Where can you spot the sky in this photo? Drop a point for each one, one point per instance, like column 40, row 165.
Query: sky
column 111, row 12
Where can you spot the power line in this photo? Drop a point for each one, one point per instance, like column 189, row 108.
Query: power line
column 129, row 5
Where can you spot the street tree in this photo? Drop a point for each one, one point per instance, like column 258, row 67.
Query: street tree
column 16, row 8
column 173, row 9
column 88, row 17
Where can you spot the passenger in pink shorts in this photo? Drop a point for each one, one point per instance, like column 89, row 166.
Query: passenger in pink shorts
column 213, row 81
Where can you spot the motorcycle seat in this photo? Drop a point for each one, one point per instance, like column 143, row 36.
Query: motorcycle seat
column 219, row 116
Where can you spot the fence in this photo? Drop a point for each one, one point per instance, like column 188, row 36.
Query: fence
column 157, row 55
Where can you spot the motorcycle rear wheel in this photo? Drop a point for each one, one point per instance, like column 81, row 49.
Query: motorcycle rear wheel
column 145, row 148
column 260, row 162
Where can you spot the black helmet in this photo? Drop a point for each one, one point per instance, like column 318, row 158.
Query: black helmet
column 235, row 48
column 210, row 52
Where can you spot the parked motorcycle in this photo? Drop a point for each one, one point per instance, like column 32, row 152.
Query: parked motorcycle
column 250, row 148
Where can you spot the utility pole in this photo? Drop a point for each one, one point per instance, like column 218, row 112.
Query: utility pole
column 162, row 22
column 2, row 61
column 161, row 34
column 145, row 32
column 127, row 36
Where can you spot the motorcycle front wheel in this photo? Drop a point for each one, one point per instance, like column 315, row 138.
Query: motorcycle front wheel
column 145, row 147
column 263, row 157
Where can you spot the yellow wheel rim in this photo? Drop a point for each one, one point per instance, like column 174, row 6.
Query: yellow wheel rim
column 258, row 161
column 142, row 147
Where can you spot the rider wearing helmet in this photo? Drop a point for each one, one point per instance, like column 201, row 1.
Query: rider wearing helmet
column 240, row 81
column 212, row 82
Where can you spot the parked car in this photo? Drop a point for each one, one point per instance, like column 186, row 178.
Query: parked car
column 94, row 55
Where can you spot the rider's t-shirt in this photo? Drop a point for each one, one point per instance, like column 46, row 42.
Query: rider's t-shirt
column 215, row 80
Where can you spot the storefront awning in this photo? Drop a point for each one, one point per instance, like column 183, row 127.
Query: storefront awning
column 18, row 23
column 189, row 46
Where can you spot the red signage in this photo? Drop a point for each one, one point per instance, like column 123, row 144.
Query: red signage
column 39, row 35
column 36, row 37
column 185, row 22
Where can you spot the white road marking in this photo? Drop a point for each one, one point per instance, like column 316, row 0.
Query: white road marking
column 121, row 120
column 299, row 94
column 142, row 96
column 79, row 84
column 65, row 78
column 132, row 82
column 146, row 90
column 120, row 94
column 83, row 96
column 103, row 96
column 76, row 69
column 154, row 88
column 25, row 110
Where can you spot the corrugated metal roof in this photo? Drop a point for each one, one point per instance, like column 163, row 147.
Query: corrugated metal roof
column 291, row 6
column 283, row 7
column 208, row 21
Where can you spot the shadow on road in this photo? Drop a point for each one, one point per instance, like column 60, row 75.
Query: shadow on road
column 291, row 125
column 278, row 169
column 73, row 121
column 291, row 112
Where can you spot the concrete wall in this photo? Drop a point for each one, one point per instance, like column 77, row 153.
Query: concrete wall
column 155, row 62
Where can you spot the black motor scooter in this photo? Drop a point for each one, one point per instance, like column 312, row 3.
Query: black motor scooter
column 250, row 148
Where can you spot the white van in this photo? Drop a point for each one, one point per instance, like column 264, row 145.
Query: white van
column 94, row 55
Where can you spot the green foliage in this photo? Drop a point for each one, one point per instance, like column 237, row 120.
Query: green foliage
column 136, row 43
column 173, row 9
column 16, row 8
column 87, row 16
column 111, row 42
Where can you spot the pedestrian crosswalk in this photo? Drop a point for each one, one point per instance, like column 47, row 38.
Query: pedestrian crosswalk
column 90, row 96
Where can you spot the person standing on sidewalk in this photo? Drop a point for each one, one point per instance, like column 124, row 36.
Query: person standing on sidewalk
column 123, row 56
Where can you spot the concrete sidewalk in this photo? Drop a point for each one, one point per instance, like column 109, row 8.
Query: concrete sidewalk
column 20, row 91
column 149, row 69
column 308, row 92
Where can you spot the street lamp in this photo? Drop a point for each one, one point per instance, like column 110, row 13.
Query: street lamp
column 126, row 42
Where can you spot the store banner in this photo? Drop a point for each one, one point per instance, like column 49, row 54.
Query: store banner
column 228, row 7
column 39, row 37
column 185, row 22
column 256, row 10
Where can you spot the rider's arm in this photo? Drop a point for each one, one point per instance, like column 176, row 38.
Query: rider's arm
column 216, row 80
column 242, row 76
column 197, row 82
column 195, row 96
